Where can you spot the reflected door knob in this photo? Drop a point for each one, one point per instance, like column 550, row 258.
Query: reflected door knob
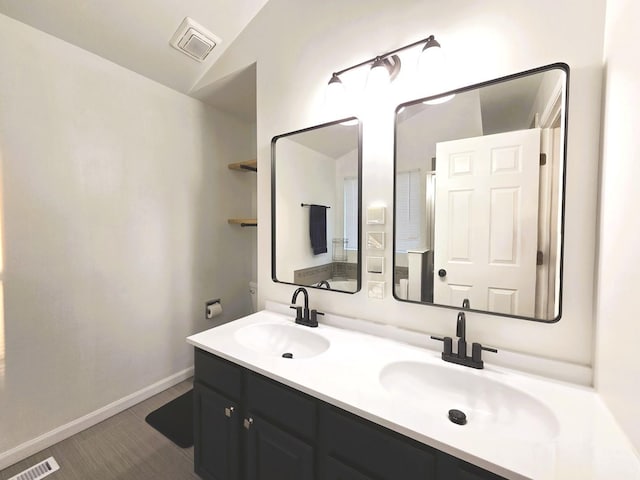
column 442, row 272
column 248, row 422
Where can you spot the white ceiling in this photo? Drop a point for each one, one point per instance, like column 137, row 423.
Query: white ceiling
column 234, row 94
column 333, row 140
column 136, row 33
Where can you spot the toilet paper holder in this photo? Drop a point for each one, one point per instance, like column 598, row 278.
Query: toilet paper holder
column 212, row 308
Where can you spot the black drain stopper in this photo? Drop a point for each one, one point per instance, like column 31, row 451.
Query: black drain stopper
column 457, row 416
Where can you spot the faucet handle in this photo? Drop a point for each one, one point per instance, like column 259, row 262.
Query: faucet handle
column 448, row 344
column 476, row 351
column 298, row 311
column 313, row 317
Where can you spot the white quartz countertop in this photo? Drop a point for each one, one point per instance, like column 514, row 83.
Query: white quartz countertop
column 583, row 441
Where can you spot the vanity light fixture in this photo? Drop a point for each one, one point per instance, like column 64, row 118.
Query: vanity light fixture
column 431, row 58
column 335, row 90
column 386, row 67
column 383, row 71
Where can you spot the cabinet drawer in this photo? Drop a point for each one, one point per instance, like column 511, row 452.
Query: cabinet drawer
column 282, row 405
column 218, row 373
column 371, row 450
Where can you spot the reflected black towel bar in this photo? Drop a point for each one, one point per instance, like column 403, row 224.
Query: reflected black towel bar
column 315, row 205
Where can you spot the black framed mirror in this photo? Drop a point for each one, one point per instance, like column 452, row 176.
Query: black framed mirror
column 479, row 176
column 316, row 206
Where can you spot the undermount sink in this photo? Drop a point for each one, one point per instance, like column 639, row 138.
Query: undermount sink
column 487, row 404
column 288, row 341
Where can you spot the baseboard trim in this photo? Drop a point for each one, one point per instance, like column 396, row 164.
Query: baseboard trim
column 65, row 431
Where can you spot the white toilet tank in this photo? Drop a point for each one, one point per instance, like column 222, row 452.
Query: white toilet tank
column 253, row 291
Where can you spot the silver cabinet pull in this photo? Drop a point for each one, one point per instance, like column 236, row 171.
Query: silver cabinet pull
column 228, row 411
column 248, row 422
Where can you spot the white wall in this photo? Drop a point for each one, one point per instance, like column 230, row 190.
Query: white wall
column 299, row 44
column 116, row 195
column 618, row 335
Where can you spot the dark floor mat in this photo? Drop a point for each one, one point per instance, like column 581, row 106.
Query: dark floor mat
column 175, row 420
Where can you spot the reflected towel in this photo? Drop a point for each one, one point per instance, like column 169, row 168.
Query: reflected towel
column 318, row 228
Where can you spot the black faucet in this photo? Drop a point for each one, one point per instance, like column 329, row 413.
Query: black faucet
column 460, row 357
column 461, row 332
column 324, row 283
column 303, row 316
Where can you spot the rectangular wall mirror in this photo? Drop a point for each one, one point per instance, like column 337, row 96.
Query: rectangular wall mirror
column 479, row 196
column 316, row 206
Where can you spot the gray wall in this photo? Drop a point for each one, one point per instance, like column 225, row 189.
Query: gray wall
column 116, row 195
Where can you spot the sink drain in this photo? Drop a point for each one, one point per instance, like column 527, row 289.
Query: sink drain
column 287, row 355
column 457, row 416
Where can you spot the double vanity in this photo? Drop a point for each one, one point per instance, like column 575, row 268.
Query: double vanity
column 279, row 400
column 478, row 215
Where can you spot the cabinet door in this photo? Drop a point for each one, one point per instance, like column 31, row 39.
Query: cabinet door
column 216, row 435
column 273, row 454
column 336, row 470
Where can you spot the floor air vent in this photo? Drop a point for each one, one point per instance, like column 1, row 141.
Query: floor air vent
column 41, row 470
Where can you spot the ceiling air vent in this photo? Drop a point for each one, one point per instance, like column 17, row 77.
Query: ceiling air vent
column 194, row 40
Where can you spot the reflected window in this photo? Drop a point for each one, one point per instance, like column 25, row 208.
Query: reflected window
column 409, row 217
column 351, row 212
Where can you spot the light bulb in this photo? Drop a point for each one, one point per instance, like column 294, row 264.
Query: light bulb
column 431, row 60
column 379, row 77
column 432, row 70
column 335, row 95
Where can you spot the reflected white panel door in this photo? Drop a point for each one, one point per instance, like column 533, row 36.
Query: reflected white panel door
column 486, row 222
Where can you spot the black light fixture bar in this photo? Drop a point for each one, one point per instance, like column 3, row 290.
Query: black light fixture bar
column 429, row 39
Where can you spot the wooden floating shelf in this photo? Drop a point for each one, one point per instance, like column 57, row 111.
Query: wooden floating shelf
column 244, row 222
column 246, row 166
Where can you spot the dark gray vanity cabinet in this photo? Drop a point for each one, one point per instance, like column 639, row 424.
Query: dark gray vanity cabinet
column 272, row 453
column 281, row 429
column 217, row 393
column 351, row 448
column 452, row 468
column 216, row 435
column 249, row 427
